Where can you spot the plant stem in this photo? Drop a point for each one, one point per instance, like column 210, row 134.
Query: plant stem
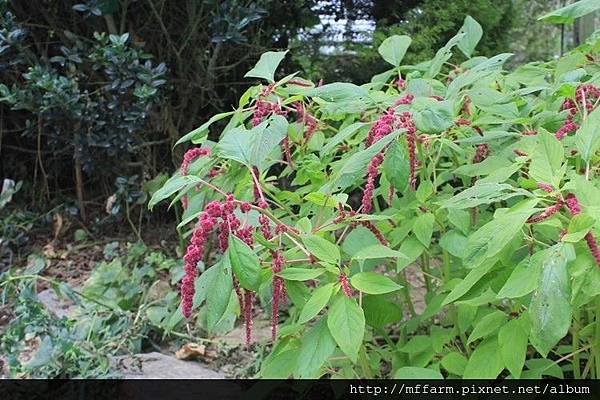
column 575, row 334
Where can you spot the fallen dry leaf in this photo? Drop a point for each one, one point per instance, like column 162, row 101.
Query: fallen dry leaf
column 58, row 223
column 191, row 351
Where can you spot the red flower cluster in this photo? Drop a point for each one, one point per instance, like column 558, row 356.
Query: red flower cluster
column 190, row 156
column 207, row 221
column 547, row 213
column 480, row 153
column 587, row 96
column 575, row 209
column 407, row 123
column 343, row 279
column 277, row 283
column 372, row 173
column 264, row 109
column 545, row 187
column 401, row 83
column 382, row 127
column 406, row 99
column 310, row 122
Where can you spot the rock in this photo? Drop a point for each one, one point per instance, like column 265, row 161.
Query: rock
column 161, row 366
column 261, row 333
column 60, row 307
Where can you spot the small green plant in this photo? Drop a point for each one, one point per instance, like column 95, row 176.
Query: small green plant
column 119, row 310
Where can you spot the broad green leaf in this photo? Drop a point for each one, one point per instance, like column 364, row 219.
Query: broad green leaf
column 346, row 322
column 315, row 304
column 266, row 65
column 416, row 344
column 487, row 326
column 323, row 249
column 485, row 362
column 466, row 284
column 338, row 92
column 512, row 340
column 376, row 251
column 491, row 238
column 254, row 147
column 579, row 226
column 323, row 200
column 417, row 373
column 281, row 365
column 454, row 363
column 245, row 263
column 436, row 118
column 341, row 136
column 173, row 185
column 220, row 288
column 524, row 278
column 423, row 228
column 443, row 55
column 473, row 33
column 396, row 166
column 394, row 48
column 412, row 248
column 568, row 14
column 317, row 346
column 483, row 193
column 202, row 130
column 381, row 310
column 300, row 274
column 373, row 283
column 587, row 138
column 550, row 310
column 355, row 167
column 547, row 159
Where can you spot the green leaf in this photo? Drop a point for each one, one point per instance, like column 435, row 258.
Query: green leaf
column 487, row 326
column 423, row 228
column 568, row 14
column 512, row 340
column 245, row 263
column 300, row 274
column 396, row 166
column 547, row 159
column 394, row 48
column 355, row 167
column 173, row 185
column 454, row 363
column 579, row 226
column 466, row 284
column 317, row 346
column 412, row 248
column 337, row 92
column 281, row 365
column 376, row 251
column 483, row 193
column 524, row 278
column 550, row 310
column 254, row 147
column 436, row 118
column 491, row 238
column 323, row 249
column 315, row 304
column 587, row 138
column 202, row 130
column 346, row 322
column 416, row 344
column 417, row 373
column 381, row 311
column 342, row 135
column 266, row 65
column 485, row 362
column 473, row 33
column 219, row 289
column 373, row 283
column 323, row 200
